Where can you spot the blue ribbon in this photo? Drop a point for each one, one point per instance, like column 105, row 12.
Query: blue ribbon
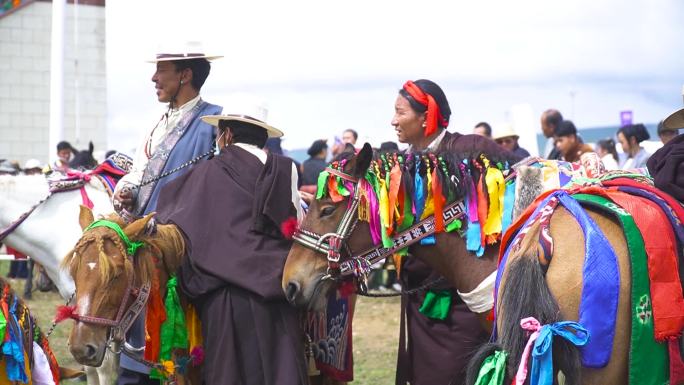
column 542, row 352
column 509, row 202
column 600, row 282
column 13, row 349
column 419, row 193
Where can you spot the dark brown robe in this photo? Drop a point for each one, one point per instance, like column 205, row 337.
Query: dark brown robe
column 437, row 352
column 230, row 210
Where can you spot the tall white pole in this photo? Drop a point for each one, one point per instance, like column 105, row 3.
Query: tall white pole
column 56, row 133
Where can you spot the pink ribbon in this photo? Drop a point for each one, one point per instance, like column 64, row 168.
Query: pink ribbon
column 530, row 324
column 84, row 194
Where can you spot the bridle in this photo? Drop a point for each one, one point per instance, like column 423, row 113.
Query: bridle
column 359, row 266
column 125, row 315
column 331, row 244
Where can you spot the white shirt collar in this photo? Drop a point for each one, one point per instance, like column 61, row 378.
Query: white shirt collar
column 434, row 144
column 190, row 104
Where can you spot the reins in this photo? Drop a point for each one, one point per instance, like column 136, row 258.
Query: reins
column 331, row 244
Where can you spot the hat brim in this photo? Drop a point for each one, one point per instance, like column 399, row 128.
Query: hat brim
column 515, row 136
column 675, row 121
column 270, row 130
column 182, row 57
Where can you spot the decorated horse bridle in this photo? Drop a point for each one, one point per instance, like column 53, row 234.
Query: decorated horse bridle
column 331, row 244
column 124, row 316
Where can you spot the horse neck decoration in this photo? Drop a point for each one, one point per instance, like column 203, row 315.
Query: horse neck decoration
column 393, row 192
column 116, row 267
column 27, row 356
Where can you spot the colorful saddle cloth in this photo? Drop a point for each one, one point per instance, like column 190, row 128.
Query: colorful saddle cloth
column 108, row 172
column 652, row 224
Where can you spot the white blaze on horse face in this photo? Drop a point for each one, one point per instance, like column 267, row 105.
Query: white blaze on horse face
column 92, row 265
column 84, row 304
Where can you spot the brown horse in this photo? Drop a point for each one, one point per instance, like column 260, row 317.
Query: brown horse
column 101, row 268
column 306, row 277
column 106, row 275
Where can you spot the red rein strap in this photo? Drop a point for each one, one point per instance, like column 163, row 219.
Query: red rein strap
column 434, row 115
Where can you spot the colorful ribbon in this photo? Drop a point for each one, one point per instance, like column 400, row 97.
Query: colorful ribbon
column 493, row 369
column 542, row 352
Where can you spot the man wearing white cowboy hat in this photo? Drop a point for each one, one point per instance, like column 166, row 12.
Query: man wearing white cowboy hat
column 508, row 139
column 232, row 274
column 178, row 140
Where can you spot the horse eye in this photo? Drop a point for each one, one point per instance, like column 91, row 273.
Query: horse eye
column 327, row 211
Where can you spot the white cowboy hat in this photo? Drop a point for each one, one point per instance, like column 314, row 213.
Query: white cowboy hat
column 189, row 50
column 271, row 131
column 505, row 132
column 32, row 163
column 675, row 120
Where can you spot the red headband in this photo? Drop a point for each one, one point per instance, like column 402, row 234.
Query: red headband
column 434, row 115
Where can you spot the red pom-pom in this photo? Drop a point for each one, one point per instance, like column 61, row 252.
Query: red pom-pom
column 289, row 227
column 197, row 355
column 64, row 312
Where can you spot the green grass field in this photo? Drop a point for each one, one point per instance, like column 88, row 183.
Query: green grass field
column 376, row 333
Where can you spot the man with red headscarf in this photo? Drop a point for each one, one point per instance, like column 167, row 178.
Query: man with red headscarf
column 436, row 350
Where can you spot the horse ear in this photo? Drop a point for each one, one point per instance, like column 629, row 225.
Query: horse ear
column 136, row 229
column 91, row 147
column 85, row 217
column 362, row 161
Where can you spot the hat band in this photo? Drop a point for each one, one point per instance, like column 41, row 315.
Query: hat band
column 179, row 55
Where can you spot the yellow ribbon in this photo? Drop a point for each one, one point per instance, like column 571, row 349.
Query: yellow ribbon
column 194, row 327
column 496, row 189
column 429, row 208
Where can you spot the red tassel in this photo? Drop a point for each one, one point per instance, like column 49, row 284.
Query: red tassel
column 197, row 355
column 289, row 227
column 676, row 364
column 65, row 312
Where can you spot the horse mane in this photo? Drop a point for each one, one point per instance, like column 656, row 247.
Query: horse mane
column 141, row 265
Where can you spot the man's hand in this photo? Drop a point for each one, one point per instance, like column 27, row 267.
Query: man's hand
column 124, row 199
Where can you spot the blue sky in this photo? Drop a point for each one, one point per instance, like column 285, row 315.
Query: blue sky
column 321, row 67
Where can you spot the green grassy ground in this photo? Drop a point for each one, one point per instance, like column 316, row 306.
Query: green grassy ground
column 376, row 333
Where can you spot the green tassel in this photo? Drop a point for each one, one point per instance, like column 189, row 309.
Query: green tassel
column 322, row 184
column 455, row 225
column 436, row 304
column 174, row 333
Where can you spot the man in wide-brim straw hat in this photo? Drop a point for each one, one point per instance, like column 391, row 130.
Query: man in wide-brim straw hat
column 176, row 139
column 232, row 273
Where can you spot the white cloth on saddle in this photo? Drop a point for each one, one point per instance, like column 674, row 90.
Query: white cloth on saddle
column 481, row 299
column 154, row 136
column 41, row 373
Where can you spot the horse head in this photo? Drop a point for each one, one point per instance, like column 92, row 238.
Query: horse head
column 84, row 159
column 305, row 269
column 113, row 264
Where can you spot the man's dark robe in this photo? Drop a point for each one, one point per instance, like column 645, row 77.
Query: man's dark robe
column 229, row 211
column 437, row 352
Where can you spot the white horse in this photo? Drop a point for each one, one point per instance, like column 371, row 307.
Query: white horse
column 50, row 232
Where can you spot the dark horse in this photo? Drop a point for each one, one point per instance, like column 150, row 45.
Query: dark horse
column 83, row 160
column 308, row 277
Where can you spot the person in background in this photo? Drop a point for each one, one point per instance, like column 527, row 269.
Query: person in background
column 666, row 134
column 630, row 137
column 605, row 148
column 483, row 129
column 64, row 154
column 550, row 120
column 389, row 147
column 7, row 168
column 568, row 142
column 32, row 167
column 318, row 152
column 508, row 139
column 350, row 136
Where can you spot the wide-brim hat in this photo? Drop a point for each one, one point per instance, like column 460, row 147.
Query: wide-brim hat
column 506, row 131
column 270, row 130
column 675, row 121
column 32, row 163
column 188, row 51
